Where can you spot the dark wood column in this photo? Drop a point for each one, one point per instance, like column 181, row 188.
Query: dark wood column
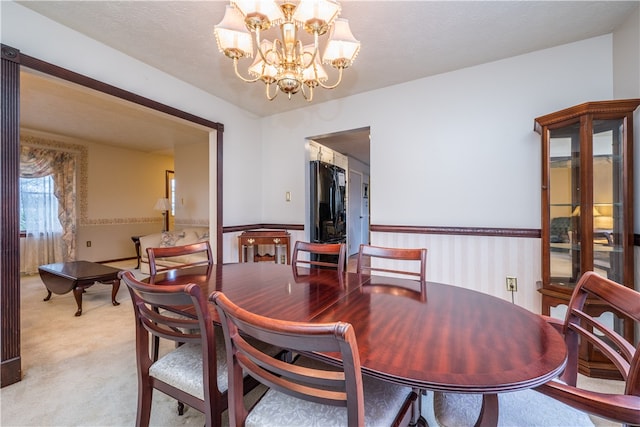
column 9, row 221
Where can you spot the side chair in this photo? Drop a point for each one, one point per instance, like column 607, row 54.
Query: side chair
column 406, row 259
column 172, row 257
column 166, row 258
column 195, row 372
column 563, row 399
column 321, row 255
column 305, row 392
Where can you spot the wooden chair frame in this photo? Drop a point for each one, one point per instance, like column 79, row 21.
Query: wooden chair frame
column 402, row 254
column 150, row 302
column 578, row 325
column 338, row 249
column 341, row 388
column 176, row 251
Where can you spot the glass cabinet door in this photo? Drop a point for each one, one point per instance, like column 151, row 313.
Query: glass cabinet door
column 608, row 198
column 564, row 205
column 601, row 227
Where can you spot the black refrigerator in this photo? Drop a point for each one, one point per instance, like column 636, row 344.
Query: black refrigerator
column 328, row 207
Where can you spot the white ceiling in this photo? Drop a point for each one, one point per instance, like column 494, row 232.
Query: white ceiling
column 401, row 40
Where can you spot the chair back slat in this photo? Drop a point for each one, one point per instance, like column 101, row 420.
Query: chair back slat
column 155, row 304
column 621, row 301
column 367, row 255
column 171, row 254
column 321, row 255
column 580, row 328
column 318, row 384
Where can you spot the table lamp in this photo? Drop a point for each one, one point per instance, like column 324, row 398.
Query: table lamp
column 164, row 205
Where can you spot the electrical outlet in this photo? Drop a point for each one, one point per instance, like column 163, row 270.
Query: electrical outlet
column 287, row 196
column 512, row 284
column 88, row 243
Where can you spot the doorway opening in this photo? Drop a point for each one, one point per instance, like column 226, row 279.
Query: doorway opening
column 354, row 145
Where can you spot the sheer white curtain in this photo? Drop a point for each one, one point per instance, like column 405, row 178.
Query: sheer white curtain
column 47, row 197
column 43, row 241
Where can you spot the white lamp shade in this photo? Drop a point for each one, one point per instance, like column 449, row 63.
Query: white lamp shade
column 324, row 10
column 269, row 72
column 232, row 35
column 309, row 73
column 342, row 45
column 162, row 205
column 270, row 9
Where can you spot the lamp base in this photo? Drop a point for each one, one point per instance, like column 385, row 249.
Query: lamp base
column 165, row 225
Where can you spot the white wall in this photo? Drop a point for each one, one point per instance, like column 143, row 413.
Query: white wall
column 626, row 84
column 467, row 133
column 457, row 149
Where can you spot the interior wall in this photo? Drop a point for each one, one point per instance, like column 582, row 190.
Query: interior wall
column 192, row 185
column 59, row 45
column 456, row 149
column 626, row 84
column 121, row 186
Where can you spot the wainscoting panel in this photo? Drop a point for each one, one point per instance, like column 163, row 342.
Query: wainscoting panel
column 480, row 263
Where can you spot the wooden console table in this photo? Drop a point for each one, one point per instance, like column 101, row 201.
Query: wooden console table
column 248, row 246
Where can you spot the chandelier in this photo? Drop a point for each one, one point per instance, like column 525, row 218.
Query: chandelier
column 287, row 64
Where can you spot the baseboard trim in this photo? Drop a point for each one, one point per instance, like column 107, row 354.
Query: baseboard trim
column 11, row 371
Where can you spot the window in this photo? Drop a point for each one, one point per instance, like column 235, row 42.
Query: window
column 38, row 205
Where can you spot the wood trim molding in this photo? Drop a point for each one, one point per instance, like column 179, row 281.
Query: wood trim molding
column 237, row 228
column 72, row 76
column 10, row 360
column 466, row 231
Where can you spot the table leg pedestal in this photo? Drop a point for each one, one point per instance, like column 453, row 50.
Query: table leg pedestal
column 489, row 413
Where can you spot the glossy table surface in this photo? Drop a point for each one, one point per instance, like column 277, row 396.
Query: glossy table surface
column 449, row 339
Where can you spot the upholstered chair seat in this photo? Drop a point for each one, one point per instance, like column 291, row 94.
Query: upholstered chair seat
column 381, row 402
column 519, row 408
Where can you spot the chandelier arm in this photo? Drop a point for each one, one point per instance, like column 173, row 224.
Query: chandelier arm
column 333, row 86
column 269, row 97
column 259, row 48
column 235, row 67
column 310, row 97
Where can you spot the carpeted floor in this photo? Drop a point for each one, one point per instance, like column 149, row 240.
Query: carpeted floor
column 80, row 371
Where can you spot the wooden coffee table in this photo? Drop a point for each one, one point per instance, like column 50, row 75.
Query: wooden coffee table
column 77, row 276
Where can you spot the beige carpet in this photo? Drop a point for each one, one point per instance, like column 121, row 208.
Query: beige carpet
column 80, row 371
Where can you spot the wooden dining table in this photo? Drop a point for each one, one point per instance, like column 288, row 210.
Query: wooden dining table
column 442, row 338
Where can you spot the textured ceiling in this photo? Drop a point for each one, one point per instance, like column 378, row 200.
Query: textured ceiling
column 401, row 40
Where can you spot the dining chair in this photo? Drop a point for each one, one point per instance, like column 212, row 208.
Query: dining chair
column 172, row 257
column 564, row 395
column 195, row 372
column 406, row 260
column 306, row 390
column 321, row 255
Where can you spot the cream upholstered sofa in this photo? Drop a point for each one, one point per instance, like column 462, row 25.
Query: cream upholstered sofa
column 186, row 236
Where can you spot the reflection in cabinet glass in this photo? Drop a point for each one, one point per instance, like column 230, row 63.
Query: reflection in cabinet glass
column 587, row 206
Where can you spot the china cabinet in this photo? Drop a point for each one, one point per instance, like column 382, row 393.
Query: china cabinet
column 587, row 209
